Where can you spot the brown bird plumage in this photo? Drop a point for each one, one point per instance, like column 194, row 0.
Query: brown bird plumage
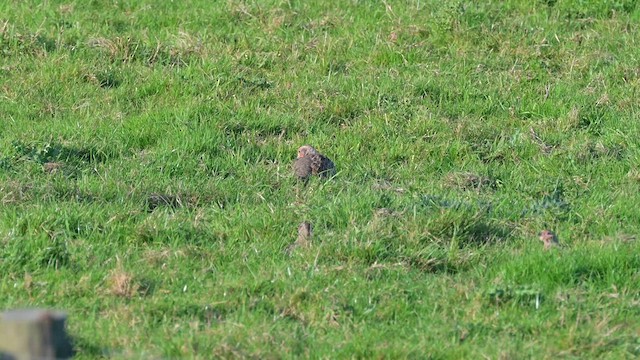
column 305, row 232
column 549, row 239
column 311, row 162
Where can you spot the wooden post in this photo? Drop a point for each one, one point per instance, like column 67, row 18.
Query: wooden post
column 34, row 334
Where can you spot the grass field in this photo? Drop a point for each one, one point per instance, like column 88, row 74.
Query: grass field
column 459, row 129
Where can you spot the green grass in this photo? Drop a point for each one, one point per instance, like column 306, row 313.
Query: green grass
column 477, row 124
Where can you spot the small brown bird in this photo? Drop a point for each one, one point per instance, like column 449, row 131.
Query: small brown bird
column 310, row 162
column 549, row 239
column 156, row 200
column 52, row 167
column 305, row 232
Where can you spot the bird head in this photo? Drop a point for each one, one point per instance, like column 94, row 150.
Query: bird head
column 306, row 150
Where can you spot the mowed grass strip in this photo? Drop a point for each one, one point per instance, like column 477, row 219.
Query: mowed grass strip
column 146, row 182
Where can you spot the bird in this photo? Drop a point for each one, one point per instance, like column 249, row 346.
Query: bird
column 549, row 239
column 156, row 200
column 302, row 168
column 52, row 167
column 310, row 162
column 305, row 232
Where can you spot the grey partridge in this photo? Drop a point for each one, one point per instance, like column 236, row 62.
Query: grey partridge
column 549, row 239
column 156, row 200
column 305, row 232
column 310, row 162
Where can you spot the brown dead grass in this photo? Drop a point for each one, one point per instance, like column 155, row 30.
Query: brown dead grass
column 122, row 284
column 14, row 192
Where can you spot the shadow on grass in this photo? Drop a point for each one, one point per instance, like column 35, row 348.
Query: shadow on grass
column 466, row 223
column 206, row 314
column 47, row 152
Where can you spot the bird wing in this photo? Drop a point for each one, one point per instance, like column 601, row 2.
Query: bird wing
column 326, row 168
column 303, row 167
